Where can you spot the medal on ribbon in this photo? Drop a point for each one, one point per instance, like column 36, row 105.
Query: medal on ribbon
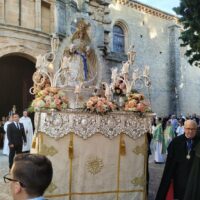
column 189, row 148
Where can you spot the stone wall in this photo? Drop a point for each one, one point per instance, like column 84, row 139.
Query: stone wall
column 156, row 42
column 25, row 27
column 22, row 41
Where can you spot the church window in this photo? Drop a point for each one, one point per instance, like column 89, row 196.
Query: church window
column 118, row 39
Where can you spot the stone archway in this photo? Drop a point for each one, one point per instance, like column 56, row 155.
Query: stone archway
column 15, row 80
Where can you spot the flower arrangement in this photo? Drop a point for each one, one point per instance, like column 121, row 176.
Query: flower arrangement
column 100, row 105
column 119, row 87
column 135, row 102
column 49, row 98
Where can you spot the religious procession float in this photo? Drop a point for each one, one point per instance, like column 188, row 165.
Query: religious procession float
column 94, row 132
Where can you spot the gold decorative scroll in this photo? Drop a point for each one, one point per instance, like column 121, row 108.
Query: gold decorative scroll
column 51, row 188
column 139, row 181
column 92, row 193
column 48, row 151
column 94, row 165
column 140, row 149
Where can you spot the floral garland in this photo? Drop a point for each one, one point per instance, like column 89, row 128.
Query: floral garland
column 119, row 87
column 49, row 98
column 99, row 105
column 136, row 103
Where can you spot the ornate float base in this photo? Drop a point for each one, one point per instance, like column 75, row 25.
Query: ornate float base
column 97, row 168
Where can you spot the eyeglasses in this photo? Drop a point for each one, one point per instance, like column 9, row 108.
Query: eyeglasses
column 191, row 129
column 7, row 179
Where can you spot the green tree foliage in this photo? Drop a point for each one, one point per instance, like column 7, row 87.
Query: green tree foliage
column 189, row 12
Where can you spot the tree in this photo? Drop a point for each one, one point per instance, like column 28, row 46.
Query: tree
column 189, row 12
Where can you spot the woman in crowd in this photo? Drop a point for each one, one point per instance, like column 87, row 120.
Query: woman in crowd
column 158, row 139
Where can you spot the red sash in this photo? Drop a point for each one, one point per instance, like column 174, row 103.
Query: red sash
column 170, row 193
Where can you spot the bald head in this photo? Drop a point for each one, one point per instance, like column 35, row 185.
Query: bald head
column 190, row 128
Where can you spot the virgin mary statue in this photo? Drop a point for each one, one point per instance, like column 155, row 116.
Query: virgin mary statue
column 79, row 60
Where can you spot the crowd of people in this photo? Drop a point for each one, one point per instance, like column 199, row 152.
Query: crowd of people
column 17, row 135
column 164, row 130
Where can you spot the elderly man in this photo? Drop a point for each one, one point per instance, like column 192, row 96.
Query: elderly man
column 29, row 177
column 179, row 162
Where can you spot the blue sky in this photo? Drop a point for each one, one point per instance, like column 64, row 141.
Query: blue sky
column 165, row 5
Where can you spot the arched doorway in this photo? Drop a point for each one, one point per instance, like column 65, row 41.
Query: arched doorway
column 15, row 80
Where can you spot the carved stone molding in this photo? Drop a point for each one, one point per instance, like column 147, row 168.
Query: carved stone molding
column 147, row 9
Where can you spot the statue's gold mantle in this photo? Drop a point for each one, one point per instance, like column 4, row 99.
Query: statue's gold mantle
column 84, row 124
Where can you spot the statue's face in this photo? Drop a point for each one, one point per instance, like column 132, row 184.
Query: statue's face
column 87, row 49
column 72, row 48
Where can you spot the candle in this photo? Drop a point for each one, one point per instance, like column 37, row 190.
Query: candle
column 146, row 71
column 65, row 62
column 114, row 74
column 107, row 92
column 125, row 67
column 51, row 67
column 39, row 61
column 134, row 76
column 78, row 88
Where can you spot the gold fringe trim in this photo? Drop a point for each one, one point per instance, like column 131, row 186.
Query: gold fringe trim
column 93, row 193
column 40, row 141
column 33, row 146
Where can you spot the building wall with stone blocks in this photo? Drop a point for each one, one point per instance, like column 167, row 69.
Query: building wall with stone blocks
column 25, row 27
column 155, row 37
column 150, row 36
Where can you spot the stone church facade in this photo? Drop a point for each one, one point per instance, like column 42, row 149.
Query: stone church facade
column 26, row 27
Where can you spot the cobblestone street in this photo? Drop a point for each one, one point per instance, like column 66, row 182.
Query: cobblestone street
column 4, row 187
column 155, row 175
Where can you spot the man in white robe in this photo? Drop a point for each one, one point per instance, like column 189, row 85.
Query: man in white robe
column 5, row 144
column 28, row 128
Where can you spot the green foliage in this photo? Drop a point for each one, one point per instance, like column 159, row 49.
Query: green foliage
column 189, row 12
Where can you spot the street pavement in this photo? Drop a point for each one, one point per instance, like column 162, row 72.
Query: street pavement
column 4, row 187
column 154, row 169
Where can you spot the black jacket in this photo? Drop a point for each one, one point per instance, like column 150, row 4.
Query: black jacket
column 193, row 186
column 177, row 168
column 16, row 136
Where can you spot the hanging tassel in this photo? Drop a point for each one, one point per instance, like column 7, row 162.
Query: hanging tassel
column 122, row 146
column 71, row 148
column 34, row 143
column 40, row 142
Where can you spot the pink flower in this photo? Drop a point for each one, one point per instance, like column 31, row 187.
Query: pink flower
column 89, row 104
column 57, row 101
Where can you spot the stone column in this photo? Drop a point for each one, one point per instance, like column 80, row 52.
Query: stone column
column 175, row 69
column 38, row 15
column 2, row 11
